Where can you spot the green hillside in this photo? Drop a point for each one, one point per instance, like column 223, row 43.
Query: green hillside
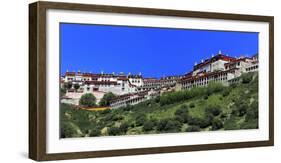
column 215, row 107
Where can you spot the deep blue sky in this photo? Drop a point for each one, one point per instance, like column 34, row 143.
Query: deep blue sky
column 154, row 52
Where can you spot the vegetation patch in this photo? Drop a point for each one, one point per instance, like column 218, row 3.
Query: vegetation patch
column 215, row 107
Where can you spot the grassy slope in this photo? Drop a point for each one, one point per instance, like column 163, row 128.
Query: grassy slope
column 83, row 123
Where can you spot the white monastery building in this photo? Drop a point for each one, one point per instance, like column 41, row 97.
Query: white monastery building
column 132, row 89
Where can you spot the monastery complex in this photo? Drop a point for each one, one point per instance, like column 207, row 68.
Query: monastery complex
column 132, row 89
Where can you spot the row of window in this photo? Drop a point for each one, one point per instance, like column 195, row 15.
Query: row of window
column 130, row 101
column 252, row 68
column 203, row 82
column 135, row 81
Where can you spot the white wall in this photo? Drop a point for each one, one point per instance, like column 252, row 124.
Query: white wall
column 14, row 66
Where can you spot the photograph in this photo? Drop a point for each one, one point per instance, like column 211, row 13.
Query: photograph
column 129, row 80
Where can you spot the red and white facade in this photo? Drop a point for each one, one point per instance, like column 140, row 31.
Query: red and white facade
column 132, row 89
column 220, row 68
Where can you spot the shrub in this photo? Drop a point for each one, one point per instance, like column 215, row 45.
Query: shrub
column 193, row 129
column 194, row 121
column 124, row 127
column 157, row 99
column 247, row 78
column 233, row 85
column 250, row 124
column 214, row 88
column 217, row 124
column 106, row 111
column 161, row 124
column 172, row 126
column 108, row 118
column 207, row 121
column 117, row 117
column 225, row 92
column 252, row 112
column 182, row 114
column 192, row 105
column 240, row 109
column 184, row 107
column 69, row 130
column 178, row 96
column 180, row 118
column 223, row 115
column 114, row 131
column 106, row 99
column 148, row 125
column 133, row 125
column 127, row 108
column 88, row 100
column 168, row 125
column 196, row 91
column 214, row 110
column 205, row 97
column 95, row 132
column 231, row 123
column 201, row 122
column 182, row 110
column 140, row 119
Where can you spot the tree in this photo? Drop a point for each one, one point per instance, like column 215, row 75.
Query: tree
column 87, row 100
column 68, row 85
column 106, row 99
column 76, row 86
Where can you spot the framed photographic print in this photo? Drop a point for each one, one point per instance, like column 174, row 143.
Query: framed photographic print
column 112, row 81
